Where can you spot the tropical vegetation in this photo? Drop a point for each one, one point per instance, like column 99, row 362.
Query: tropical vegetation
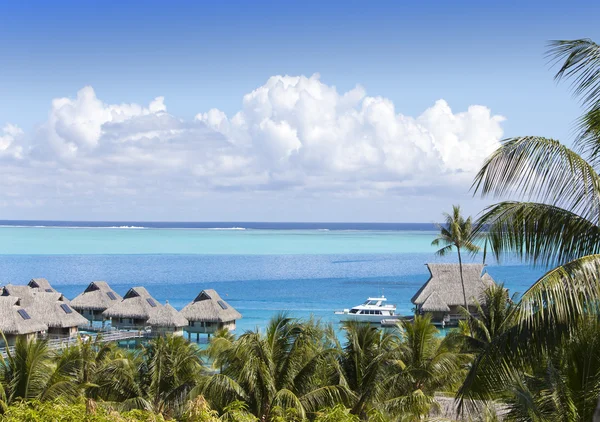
column 530, row 358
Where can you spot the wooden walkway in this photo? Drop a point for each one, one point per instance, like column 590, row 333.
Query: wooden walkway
column 105, row 337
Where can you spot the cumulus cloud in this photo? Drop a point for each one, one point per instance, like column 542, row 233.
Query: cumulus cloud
column 294, row 133
column 300, row 125
column 10, row 138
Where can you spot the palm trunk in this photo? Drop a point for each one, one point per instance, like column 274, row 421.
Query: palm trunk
column 462, row 281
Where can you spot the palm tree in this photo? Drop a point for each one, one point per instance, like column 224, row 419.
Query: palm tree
column 494, row 319
column 364, row 363
column 456, row 233
column 172, row 368
column 424, row 364
column 28, row 372
column 291, row 366
column 555, row 223
column 395, row 373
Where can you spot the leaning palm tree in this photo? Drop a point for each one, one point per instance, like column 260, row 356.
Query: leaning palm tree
column 457, row 233
column 554, row 223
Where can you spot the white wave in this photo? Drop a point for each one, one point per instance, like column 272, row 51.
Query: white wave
column 226, row 228
column 322, row 230
column 122, row 227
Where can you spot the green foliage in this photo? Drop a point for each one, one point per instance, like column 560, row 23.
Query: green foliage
column 336, row 414
column 537, row 361
column 291, row 366
column 36, row 411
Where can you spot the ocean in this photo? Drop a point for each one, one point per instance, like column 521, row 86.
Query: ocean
column 261, row 269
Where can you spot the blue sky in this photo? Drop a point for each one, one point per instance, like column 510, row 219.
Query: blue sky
column 201, row 56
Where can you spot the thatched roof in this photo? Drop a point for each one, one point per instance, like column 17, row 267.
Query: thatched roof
column 137, row 303
column 434, row 303
column 446, row 408
column 14, row 319
column 97, row 296
column 17, row 290
column 27, row 294
column 208, row 306
column 445, row 281
column 54, row 310
column 167, row 316
column 40, row 284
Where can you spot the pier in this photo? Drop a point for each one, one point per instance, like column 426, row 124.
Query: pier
column 107, row 337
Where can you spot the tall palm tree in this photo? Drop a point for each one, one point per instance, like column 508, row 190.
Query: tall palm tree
column 554, row 223
column 457, row 233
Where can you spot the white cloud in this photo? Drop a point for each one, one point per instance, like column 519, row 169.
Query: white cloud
column 301, row 125
column 293, row 134
column 10, row 137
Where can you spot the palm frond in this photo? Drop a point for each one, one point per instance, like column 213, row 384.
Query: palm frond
column 541, row 170
column 581, row 63
column 538, row 233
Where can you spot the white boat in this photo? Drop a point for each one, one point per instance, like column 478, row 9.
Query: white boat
column 374, row 310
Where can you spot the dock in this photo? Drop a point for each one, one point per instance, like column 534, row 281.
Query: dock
column 107, row 337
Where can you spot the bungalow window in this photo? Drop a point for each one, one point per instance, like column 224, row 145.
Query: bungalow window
column 191, row 323
column 66, row 308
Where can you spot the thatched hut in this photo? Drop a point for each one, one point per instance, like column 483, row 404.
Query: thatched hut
column 442, row 294
column 166, row 320
column 134, row 310
column 41, row 285
column 94, row 300
column 446, row 409
column 55, row 311
column 209, row 313
column 16, row 321
column 17, row 290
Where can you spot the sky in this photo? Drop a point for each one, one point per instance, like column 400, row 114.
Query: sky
column 270, row 111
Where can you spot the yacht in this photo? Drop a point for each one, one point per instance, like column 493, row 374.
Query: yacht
column 374, row 310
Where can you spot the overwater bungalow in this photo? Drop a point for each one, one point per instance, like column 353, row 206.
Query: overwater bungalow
column 209, row 313
column 442, row 294
column 167, row 320
column 56, row 312
column 134, row 310
column 94, row 300
column 16, row 321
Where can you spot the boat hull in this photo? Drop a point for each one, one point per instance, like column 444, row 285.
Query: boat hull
column 372, row 319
